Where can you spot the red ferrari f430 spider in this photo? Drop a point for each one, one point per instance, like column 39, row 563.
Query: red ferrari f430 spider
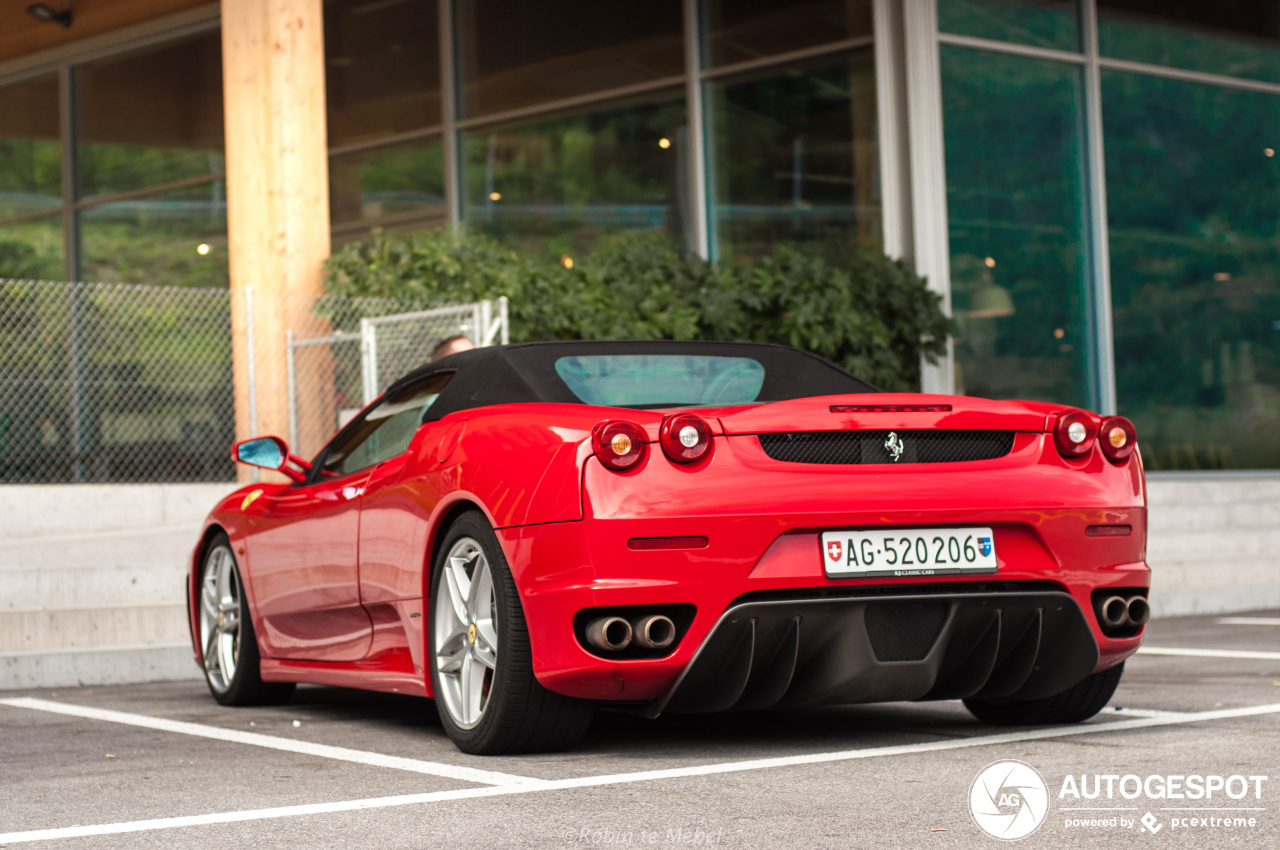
column 528, row 532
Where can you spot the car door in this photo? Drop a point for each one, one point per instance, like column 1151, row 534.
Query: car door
column 394, row 509
column 303, row 549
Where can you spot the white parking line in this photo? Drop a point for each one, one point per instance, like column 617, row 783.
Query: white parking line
column 1249, row 621
column 235, row 736
column 1208, row 653
column 641, row 776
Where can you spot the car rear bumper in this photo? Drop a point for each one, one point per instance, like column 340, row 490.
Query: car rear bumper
column 1047, row 564
column 839, row 651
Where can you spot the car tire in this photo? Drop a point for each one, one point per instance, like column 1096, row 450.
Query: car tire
column 228, row 643
column 476, row 628
column 1073, row 705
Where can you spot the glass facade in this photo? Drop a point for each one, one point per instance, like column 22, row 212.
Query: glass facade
column 1194, row 206
column 1016, row 209
column 745, row 30
column 31, row 241
column 382, row 68
column 1111, row 169
column 794, row 159
column 1236, row 38
column 1192, row 196
column 514, row 54
column 1042, row 23
column 148, row 201
column 560, row 182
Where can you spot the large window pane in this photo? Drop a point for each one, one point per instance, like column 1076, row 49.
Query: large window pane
column 176, row 238
column 30, row 152
column 151, row 117
column 382, row 67
column 1193, row 199
column 794, row 159
column 1043, row 23
column 1015, row 204
column 1240, row 38
column 741, row 30
column 561, row 181
column 405, row 181
column 31, row 243
column 516, row 53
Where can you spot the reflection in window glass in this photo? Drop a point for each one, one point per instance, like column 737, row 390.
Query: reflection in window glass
column 151, row 117
column 397, row 183
column 1015, row 204
column 30, row 152
column 382, row 68
column 31, row 242
column 561, row 181
column 385, row 431
column 1193, row 197
column 794, row 159
column 741, row 30
column 517, row 53
column 176, row 238
column 1043, row 23
column 32, row 248
column 1239, row 38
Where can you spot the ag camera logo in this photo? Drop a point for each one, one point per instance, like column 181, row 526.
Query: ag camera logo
column 1008, row 799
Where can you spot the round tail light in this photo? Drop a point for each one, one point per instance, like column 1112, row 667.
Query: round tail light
column 618, row 445
column 685, row 438
column 1118, row 438
column 1074, row 433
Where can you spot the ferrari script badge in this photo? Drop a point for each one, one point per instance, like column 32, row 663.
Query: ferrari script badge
column 471, row 632
column 895, row 445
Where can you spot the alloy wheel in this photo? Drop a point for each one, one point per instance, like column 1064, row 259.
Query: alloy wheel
column 220, row 614
column 466, row 633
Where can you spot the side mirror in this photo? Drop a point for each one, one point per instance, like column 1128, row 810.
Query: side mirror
column 266, row 452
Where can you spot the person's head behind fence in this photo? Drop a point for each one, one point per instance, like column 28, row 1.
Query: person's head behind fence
column 452, row 345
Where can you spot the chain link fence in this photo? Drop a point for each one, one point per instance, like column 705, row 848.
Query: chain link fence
column 115, row 383
column 343, row 352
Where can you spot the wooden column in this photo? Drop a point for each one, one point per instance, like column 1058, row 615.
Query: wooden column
column 277, row 189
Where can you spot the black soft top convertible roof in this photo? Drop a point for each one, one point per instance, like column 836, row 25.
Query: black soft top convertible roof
column 525, row 372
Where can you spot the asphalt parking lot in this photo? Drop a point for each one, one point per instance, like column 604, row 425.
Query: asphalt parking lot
column 164, row 766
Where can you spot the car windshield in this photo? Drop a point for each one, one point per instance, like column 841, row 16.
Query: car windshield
column 661, row 380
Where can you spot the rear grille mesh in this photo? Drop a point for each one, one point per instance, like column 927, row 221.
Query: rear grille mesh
column 904, row 631
column 870, row 446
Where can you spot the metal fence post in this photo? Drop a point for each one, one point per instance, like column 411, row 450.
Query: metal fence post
column 369, row 359
column 486, row 322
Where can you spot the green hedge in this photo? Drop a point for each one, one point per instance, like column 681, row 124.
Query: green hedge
column 871, row 315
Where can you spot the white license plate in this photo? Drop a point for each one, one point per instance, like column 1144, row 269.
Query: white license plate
column 908, row 552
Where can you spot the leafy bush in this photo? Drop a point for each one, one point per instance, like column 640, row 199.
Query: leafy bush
column 871, row 315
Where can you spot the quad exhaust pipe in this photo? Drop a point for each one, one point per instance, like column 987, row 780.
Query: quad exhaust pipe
column 1116, row 612
column 654, row 631
column 648, row 631
column 612, row 634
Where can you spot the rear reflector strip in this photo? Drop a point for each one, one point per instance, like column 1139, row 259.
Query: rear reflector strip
column 890, row 408
column 667, row 543
column 1108, row 531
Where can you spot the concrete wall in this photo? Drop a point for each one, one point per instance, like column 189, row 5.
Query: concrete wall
column 91, row 582
column 91, row 576
column 1213, row 543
